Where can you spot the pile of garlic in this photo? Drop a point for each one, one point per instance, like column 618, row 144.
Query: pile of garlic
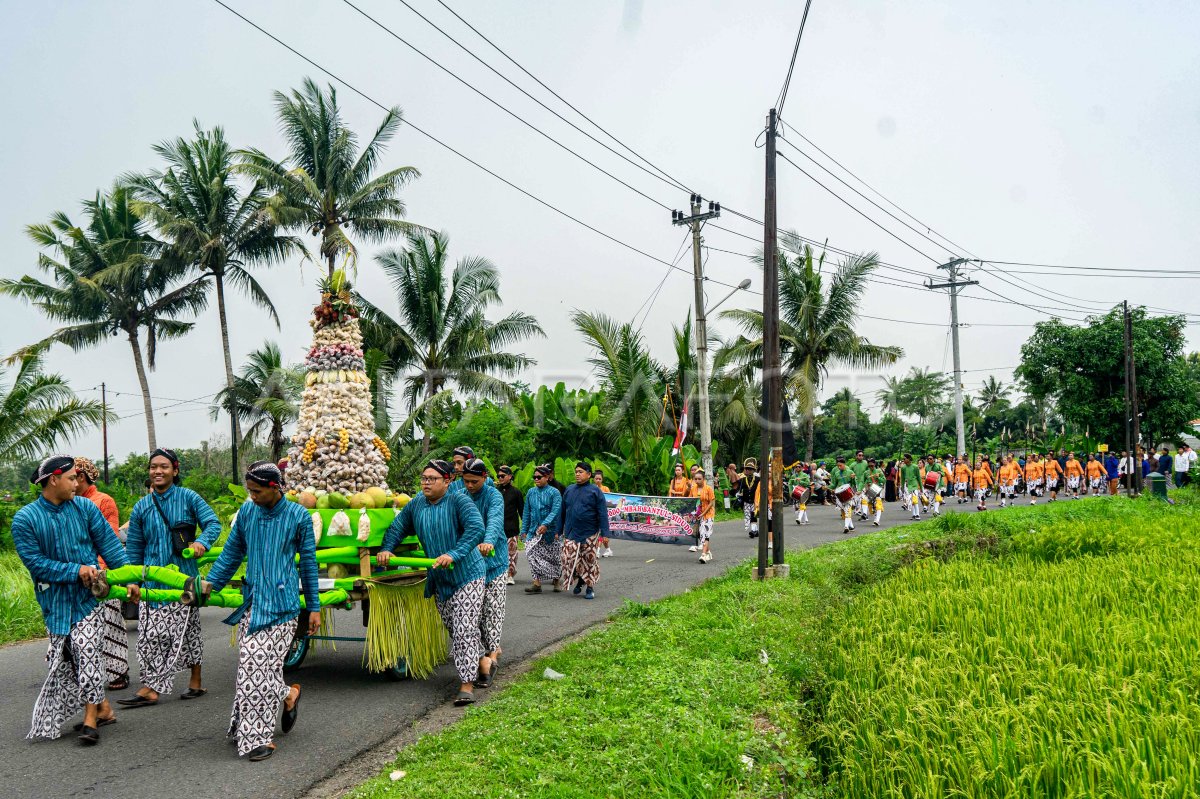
column 335, row 428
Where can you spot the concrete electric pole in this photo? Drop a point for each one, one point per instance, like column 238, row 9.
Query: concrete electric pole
column 695, row 220
column 953, row 283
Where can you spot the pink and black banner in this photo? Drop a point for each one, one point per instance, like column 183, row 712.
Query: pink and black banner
column 657, row 520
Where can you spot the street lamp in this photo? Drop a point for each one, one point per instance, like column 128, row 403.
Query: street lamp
column 702, row 377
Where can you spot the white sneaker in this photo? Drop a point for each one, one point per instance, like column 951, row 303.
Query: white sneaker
column 512, row 581
column 607, row 552
column 693, row 548
column 768, row 545
column 706, row 557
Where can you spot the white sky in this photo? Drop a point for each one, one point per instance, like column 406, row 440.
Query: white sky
column 1026, row 131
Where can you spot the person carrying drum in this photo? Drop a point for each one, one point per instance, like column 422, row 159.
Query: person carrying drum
column 859, row 467
column 844, row 483
column 935, row 485
column 875, row 480
column 800, row 494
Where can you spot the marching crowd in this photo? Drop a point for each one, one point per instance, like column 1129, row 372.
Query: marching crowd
column 470, row 525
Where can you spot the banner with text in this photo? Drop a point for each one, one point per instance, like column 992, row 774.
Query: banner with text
column 658, row 520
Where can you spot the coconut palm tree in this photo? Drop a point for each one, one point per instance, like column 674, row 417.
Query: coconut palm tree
column 923, row 393
column 39, row 410
column 215, row 225
column 265, row 396
column 326, row 184
column 891, row 396
column 736, row 403
column 816, row 325
column 111, row 278
column 993, row 395
column 442, row 334
column 632, row 381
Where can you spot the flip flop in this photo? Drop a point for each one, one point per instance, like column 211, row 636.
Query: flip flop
column 464, row 698
column 137, row 701
column 119, row 684
column 289, row 716
column 483, row 680
column 99, row 723
column 88, row 736
column 192, row 693
column 261, row 753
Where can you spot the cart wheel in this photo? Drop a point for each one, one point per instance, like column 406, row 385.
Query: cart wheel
column 397, row 672
column 296, row 653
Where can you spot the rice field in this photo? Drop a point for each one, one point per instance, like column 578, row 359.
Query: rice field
column 1069, row 667
column 20, row 618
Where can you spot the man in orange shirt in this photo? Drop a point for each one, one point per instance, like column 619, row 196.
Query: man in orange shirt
column 981, row 480
column 1074, row 473
column 1035, row 472
column 1096, row 475
column 116, row 638
column 962, row 478
column 706, row 513
column 1008, row 474
column 1054, row 476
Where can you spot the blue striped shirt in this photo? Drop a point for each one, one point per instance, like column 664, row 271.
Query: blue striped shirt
column 148, row 540
column 269, row 539
column 490, row 503
column 586, row 512
column 543, row 506
column 54, row 541
column 451, row 526
column 457, row 486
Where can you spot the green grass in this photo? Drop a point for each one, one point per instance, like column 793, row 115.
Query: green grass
column 1046, row 651
column 20, row 617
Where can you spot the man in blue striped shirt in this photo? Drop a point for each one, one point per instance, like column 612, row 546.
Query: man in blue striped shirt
column 59, row 537
column 541, row 524
column 450, row 530
column 494, row 548
column 168, row 632
column 269, row 533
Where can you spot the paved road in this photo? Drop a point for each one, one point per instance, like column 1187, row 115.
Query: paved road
column 178, row 748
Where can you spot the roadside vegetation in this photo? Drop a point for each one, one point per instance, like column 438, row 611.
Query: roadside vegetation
column 1046, row 651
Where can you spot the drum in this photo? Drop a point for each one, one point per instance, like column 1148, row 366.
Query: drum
column 844, row 493
column 874, row 490
column 931, row 480
column 801, row 494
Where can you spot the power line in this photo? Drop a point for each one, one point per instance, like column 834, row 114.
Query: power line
column 408, row 121
column 562, row 99
column 1096, row 268
column 853, row 208
column 513, row 114
column 788, row 80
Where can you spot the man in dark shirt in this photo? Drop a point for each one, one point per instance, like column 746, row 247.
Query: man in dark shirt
column 746, row 491
column 514, row 506
column 585, row 519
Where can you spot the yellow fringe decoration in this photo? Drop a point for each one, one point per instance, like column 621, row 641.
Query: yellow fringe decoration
column 326, row 628
column 403, row 624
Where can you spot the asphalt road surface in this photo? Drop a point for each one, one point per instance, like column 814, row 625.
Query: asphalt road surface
column 178, row 748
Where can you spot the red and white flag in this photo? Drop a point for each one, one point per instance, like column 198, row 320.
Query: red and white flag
column 681, row 432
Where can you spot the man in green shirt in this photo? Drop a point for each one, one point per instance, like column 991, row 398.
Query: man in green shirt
column 910, row 486
column 804, row 483
column 875, row 477
column 859, row 467
column 839, row 477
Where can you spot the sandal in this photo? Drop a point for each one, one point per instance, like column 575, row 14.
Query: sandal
column 119, row 684
column 535, row 589
column 483, row 680
column 464, row 698
column 558, row 586
column 137, row 701
column 289, row 714
column 88, row 736
column 261, row 753
column 193, row 693
column 99, row 723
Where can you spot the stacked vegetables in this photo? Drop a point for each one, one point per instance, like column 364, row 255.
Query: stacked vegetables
column 335, row 449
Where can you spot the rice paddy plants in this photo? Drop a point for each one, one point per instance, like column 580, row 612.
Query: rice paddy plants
column 20, row 617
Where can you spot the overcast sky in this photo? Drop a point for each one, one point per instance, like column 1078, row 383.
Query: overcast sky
column 1060, row 133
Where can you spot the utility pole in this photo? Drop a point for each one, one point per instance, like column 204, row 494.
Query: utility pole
column 770, row 506
column 1129, row 453
column 697, row 218
column 953, row 283
column 104, row 426
column 1133, row 401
